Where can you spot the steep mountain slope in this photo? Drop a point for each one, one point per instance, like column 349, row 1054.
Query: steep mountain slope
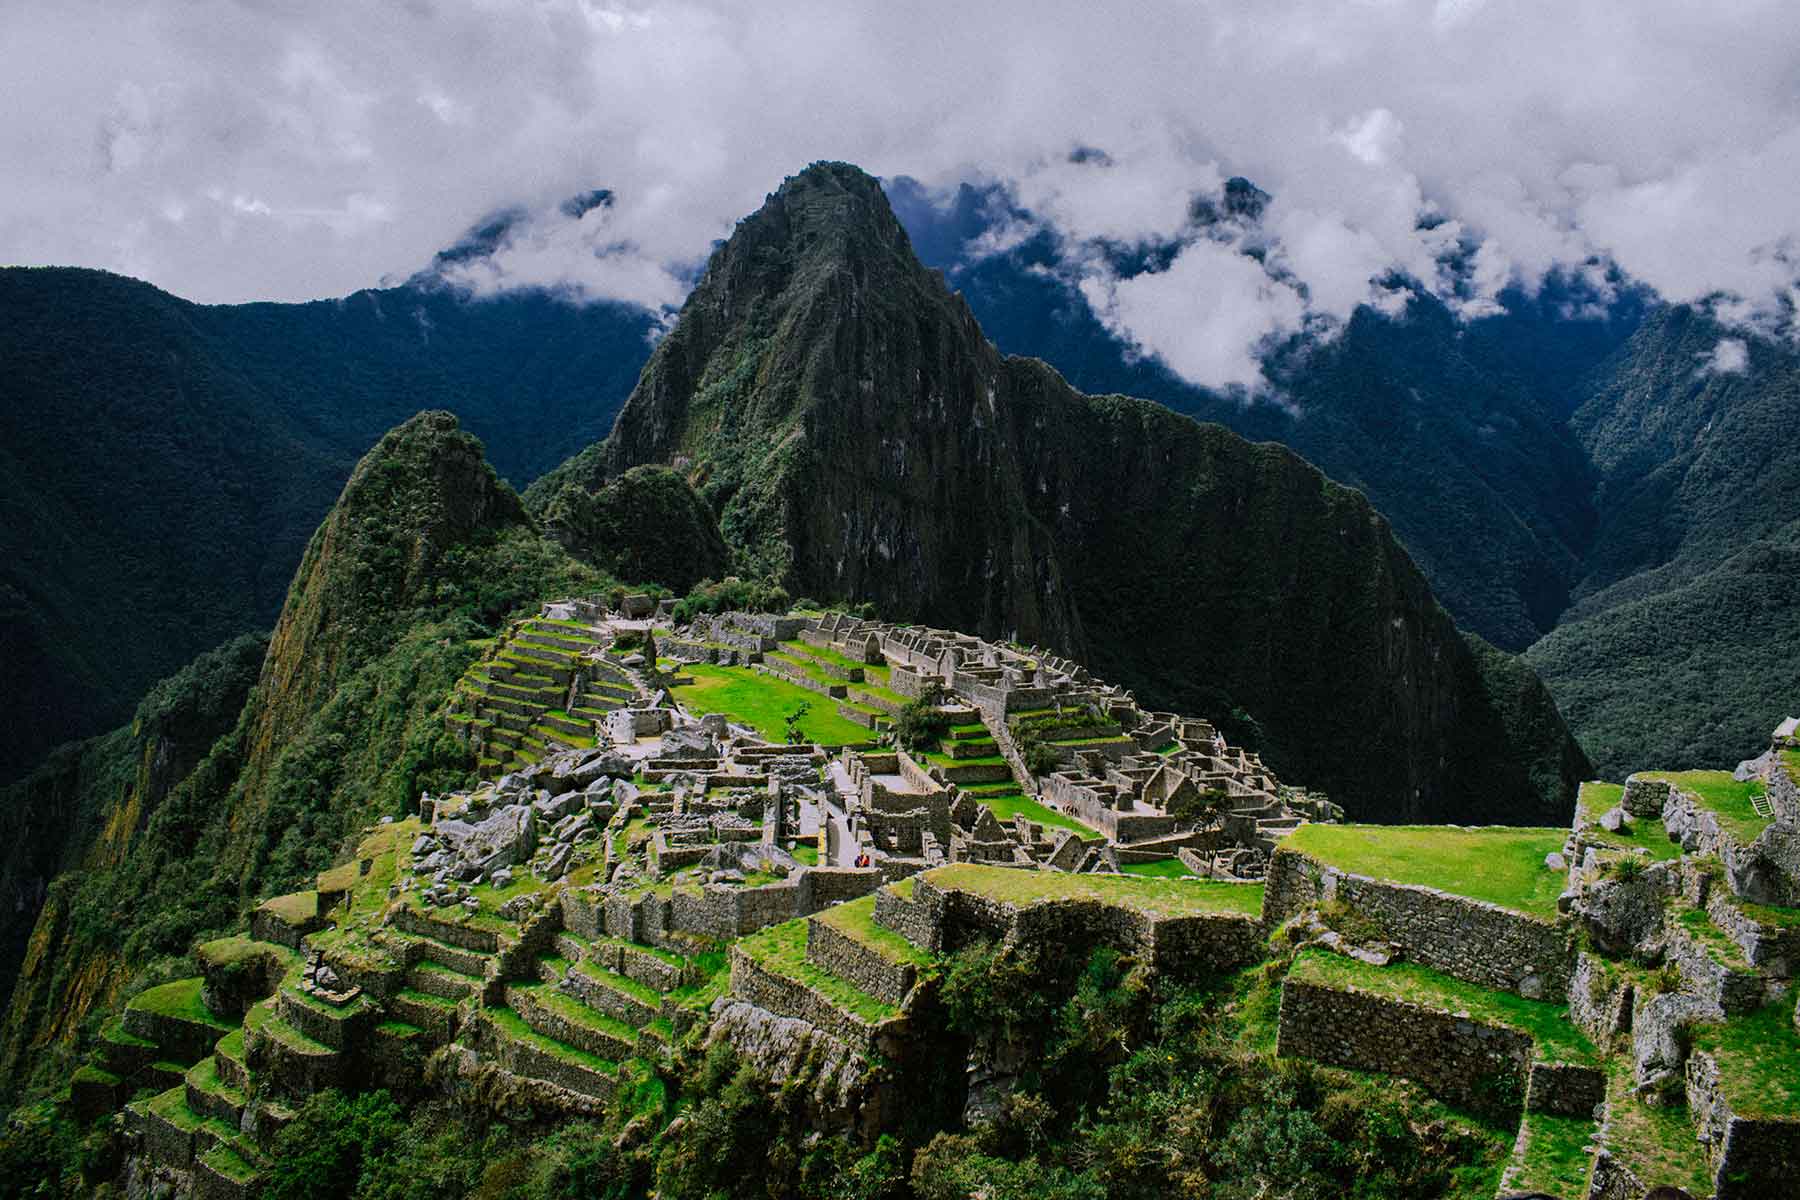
column 1684, row 643
column 858, row 436
column 1454, row 429
column 163, row 463
column 425, row 550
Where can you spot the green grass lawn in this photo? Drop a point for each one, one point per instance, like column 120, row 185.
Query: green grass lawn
column 1547, row 1024
column 1159, row 897
column 1759, row 1060
column 1724, row 796
column 178, row 999
column 807, row 853
column 856, row 919
column 1005, row 808
column 1500, row 864
column 1162, row 868
column 763, row 703
column 1555, row 1159
column 1657, row 1144
column 1645, row 833
column 781, row 949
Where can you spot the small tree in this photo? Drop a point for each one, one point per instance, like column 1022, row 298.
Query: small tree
column 1040, row 756
column 1204, row 807
column 793, row 719
column 920, row 722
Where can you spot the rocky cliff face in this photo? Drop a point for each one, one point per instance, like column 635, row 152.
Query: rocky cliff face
column 859, row 438
column 84, row 807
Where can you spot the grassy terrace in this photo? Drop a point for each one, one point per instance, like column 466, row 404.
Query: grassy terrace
column 1158, row 897
column 781, row 950
column 1500, row 864
column 1162, row 868
column 856, row 920
column 1646, row 833
column 513, row 1026
column 1547, row 1024
column 180, row 999
column 1005, row 808
column 1759, row 1059
column 763, row 703
column 1722, row 795
column 876, row 673
column 1657, row 1144
column 1555, row 1159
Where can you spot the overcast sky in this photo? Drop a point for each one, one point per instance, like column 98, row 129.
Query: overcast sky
column 285, row 150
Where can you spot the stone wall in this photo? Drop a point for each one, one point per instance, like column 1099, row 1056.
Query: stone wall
column 1771, row 948
column 1752, row 1159
column 1730, row 991
column 1564, row 1089
column 1784, row 792
column 942, row 921
column 855, row 963
column 908, row 918
column 1456, row 1059
column 791, row 998
column 1475, row 941
column 1767, row 871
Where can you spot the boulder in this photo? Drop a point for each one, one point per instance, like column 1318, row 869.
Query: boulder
column 1625, row 916
column 569, row 826
column 1613, row 820
column 1659, row 1044
column 552, row 809
column 1555, row 861
column 502, row 838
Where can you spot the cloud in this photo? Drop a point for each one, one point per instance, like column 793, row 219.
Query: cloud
column 242, row 150
column 1206, row 316
column 1730, row 357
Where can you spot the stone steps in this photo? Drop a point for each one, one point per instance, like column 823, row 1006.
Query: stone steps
column 459, row 960
column 434, row 1014
column 502, row 1034
column 565, row 1019
column 605, row 991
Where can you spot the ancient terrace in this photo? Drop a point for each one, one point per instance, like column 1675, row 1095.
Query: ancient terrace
column 1619, row 992
column 1036, row 762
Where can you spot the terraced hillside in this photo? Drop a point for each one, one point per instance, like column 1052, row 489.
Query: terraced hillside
column 544, row 683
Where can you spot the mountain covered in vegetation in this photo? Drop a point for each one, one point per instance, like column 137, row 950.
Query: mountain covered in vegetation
column 244, row 773
column 1570, row 471
column 162, row 464
column 858, row 437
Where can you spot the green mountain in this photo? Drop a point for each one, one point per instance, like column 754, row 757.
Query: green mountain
column 1683, row 643
column 858, row 437
column 245, row 773
column 162, row 463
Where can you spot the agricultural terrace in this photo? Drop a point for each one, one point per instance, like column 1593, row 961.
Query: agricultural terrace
column 763, row 702
column 1158, row 897
column 1500, row 864
column 1639, row 833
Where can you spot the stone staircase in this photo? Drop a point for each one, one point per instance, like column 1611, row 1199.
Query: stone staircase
column 588, row 1011
column 541, row 688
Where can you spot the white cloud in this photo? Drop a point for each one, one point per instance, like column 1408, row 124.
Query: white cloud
column 232, row 152
column 1206, row 316
column 1730, row 357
